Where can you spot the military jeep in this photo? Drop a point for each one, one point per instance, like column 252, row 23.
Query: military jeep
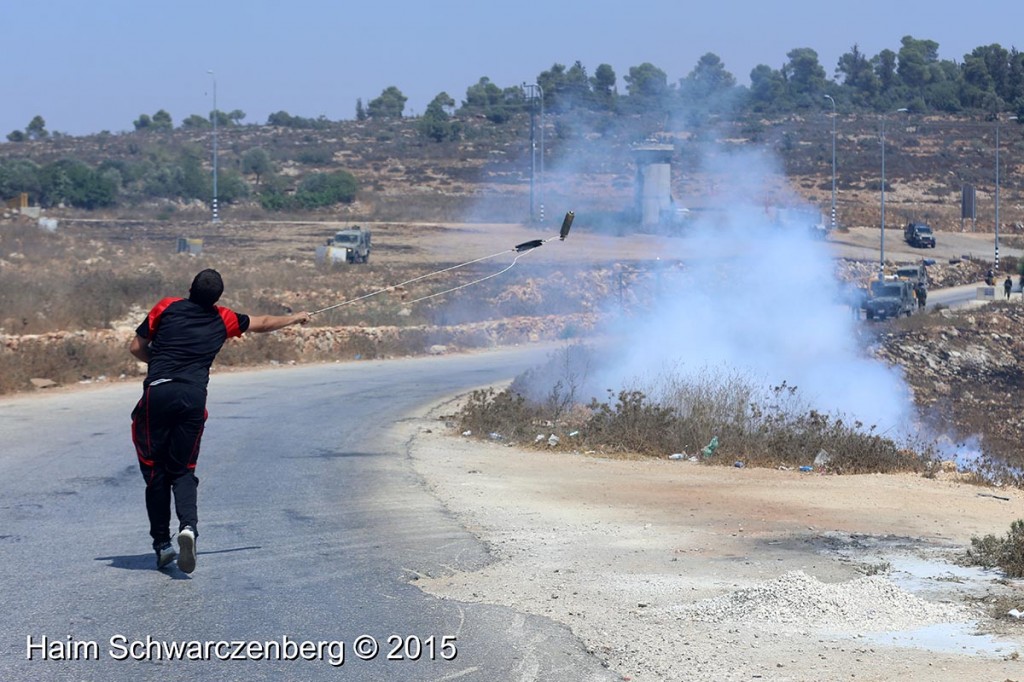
column 919, row 235
column 351, row 245
column 889, row 299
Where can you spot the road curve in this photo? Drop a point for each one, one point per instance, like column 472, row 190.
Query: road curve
column 313, row 528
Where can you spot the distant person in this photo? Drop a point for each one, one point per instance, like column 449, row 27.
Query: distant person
column 990, row 278
column 1008, row 287
column 856, row 297
column 179, row 340
column 921, row 292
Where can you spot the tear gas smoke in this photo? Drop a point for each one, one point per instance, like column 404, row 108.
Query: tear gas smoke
column 758, row 296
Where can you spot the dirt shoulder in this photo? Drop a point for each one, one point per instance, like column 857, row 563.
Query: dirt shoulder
column 676, row 570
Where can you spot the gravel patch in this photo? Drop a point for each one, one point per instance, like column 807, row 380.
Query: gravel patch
column 868, row 604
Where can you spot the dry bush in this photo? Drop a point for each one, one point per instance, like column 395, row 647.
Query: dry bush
column 761, row 427
column 1006, row 553
column 508, row 414
column 66, row 360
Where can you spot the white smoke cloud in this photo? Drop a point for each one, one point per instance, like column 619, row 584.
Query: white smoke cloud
column 758, row 297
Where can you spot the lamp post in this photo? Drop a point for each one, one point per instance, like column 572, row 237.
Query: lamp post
column 214, row 203
column 1011, row 118
column 540, row 190
column 881, row 257
column 833, row 220
column 533, row 93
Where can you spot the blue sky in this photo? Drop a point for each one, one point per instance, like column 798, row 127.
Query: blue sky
column 97, row 65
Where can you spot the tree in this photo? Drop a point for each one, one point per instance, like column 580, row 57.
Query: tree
column 317, row 190
column 196, row 122
column 162, row 120
column 436, row 123
column 17, row 176
column 986, row 70
column 858, row 77
column 495, row 103
column 17, row 136
column 707, row 80
column 360, row 111
column 74, row 183
column 915, row 60
column 36, row 129
column 286, row 120
column 390, row 104
column 564, row 88
column 884, row 64
column 805, row 77
column 482, row 95
column 257, row 162
column 646, row 82
column 602, row 84
column 223, row 120
column 767, row 89
column 234, row 117
column 326, row 189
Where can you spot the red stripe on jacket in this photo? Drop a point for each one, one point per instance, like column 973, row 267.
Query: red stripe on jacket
column 153, row 319
column 230, row 319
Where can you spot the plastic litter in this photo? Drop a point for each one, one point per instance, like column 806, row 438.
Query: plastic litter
column 677, row 455
column 738, row 464
column 553, row 441
column 806, row 468
column 710, row 448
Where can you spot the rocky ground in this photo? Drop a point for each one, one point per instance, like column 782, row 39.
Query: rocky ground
column 680, row 571
column 965, row 370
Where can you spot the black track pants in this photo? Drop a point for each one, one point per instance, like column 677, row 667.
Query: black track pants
column 167, row 427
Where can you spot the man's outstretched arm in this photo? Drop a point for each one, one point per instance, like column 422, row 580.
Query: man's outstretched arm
column 271, row 323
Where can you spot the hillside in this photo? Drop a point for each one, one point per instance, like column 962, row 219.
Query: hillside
column 433, row 205
column 587, row 164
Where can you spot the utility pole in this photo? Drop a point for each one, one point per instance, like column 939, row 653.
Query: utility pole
column 215, row 218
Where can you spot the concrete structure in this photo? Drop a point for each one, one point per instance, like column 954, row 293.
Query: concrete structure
column 653, row 182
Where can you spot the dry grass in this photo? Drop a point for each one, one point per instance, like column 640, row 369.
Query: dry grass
column 98, row 282
column 765, row 427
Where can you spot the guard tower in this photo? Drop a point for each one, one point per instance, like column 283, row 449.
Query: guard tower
column 653, row 181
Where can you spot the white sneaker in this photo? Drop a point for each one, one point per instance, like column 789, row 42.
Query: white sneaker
column 187, row 549
column 165, row 555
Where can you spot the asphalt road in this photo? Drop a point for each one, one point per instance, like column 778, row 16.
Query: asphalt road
column 864, row 243
column 313, row 528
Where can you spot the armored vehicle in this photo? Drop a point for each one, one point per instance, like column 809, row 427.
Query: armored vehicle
column 919, row 235
column 890, row 298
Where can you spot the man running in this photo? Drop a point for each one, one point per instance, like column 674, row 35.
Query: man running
column 179, row 339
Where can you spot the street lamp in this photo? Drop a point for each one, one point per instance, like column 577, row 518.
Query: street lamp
column 214, row 204
column 1011, row 118
column 833, row 221
column 540, row 190
column 881, row 258
column 534, row 93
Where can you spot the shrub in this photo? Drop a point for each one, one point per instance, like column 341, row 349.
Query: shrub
column 1005, row 553
column 505, row 412
column 762, row 427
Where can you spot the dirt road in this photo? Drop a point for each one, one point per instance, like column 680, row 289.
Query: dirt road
column 676, row 570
